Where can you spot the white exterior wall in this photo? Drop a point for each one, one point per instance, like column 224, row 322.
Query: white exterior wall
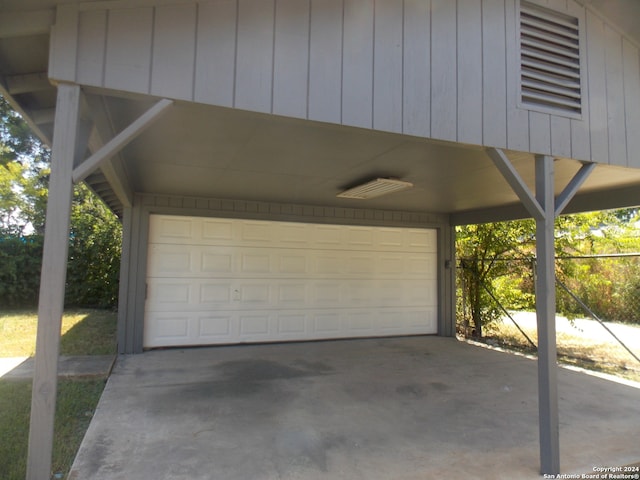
column 442, row 69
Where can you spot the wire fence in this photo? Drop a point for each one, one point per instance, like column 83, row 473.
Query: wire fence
column 597, row 301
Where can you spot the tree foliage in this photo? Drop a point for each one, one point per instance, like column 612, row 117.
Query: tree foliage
column 24, row 175
column 482, row 250
column 95, row 235
column 499, row 258
column 94, row 252
column 20, row 262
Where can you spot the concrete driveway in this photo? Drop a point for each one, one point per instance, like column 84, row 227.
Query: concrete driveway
column 397, row 408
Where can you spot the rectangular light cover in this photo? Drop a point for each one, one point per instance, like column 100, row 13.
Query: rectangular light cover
column 375, row 188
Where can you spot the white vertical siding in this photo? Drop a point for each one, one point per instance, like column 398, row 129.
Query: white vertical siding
column 357, row 63
column 470, row 71
column 443, row 69
column 615, row 96
column 560, row 136
column 494, row 74
column 597, row 88
column 173, row 61
column 216, row 53
column 416, row 88
column 387, row 74
column 254, row 61
column 325, row 61
column 539, row 133
column 580, row 145
column 517, row 118
column 631, row 66
column 291, row 58
column 128, row 55
column 92, row 32
column 64, row 41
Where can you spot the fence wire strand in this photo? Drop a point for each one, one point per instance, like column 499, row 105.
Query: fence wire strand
column 604, row 287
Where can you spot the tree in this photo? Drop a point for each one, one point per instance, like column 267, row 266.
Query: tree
column 95, row 236
column 24, row 175
column 482, row 250
column 94, row 252
column 487, row 253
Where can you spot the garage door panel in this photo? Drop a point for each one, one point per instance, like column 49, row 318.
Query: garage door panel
column 294, row 235
column 255, row 294
column 292, row 324
column 292, row 294
column 169, row 261
column 215, row 327
column 254, row 324
column 421, row 266
column 237, row 281
column 424, row 241
column 215, row 294
column 170, row 293
column 256, row 233
column 391, row 264
column 327, row 323
column 325, row 293
column 293, row 264
column 219, row 262
column 360, row 237
column 217, row 231
column 361, row 322
column 173, row 230
column 327, row 263
column 327, row 236
column 359, row 265
column 255, row 263
column 163, row 329
column 391, row 238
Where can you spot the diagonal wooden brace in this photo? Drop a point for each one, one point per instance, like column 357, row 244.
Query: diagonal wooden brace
column 121, row 140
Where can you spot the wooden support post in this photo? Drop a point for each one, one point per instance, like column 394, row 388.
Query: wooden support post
column 546, row 314
column 544, row 208
column 52, row 283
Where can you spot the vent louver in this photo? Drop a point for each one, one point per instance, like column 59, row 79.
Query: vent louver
column 375, row 188
column 549, row 60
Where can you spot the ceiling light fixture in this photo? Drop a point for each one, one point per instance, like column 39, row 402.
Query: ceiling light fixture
column 375, row 188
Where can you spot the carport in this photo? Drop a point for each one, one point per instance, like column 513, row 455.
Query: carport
column 370, row 409
column 267, row 170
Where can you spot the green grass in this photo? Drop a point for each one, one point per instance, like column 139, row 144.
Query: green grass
column 84, row 332
column 76, row 402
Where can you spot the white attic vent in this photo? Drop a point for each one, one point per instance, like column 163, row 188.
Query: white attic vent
column 549, row 60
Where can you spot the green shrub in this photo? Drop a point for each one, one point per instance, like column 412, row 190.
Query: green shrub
column 20, row 262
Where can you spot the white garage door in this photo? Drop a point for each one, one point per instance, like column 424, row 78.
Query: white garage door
column 216, row 281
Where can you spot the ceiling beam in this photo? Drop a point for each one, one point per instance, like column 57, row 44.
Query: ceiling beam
column 35, row 128
column 121, row 140
column 31, row 82
column 112, row 170
column 20, row 24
